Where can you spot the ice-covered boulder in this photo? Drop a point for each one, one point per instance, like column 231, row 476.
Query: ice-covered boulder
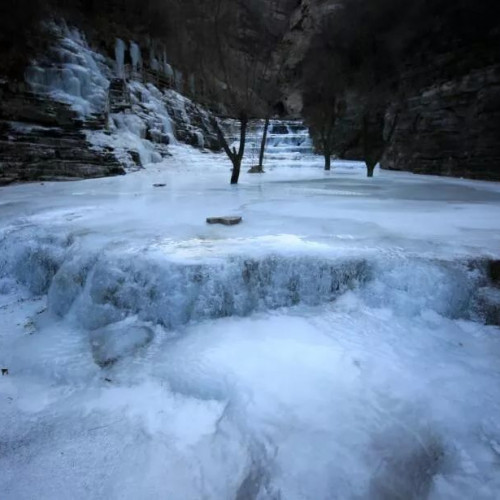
column 117, row 341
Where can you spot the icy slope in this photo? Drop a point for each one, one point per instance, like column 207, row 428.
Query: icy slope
column 328, row 347
column 126, row 112
column 72, row 73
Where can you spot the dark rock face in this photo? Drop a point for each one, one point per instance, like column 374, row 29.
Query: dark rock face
column 494, row 271
column 41, row 139
column 488, row 304
column 119, row 96
column 193, row 123
column 304, row 22
column 451, row 127
column 449, row 120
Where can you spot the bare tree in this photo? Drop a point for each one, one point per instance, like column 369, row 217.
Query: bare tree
column 372, row 42
column 351, row 79
column 230, row 71
column 272, row 71
column 324, row 92
column 322, row 109
column 230, row 50
column 376, row 134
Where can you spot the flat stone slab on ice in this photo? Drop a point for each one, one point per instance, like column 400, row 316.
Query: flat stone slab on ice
column 227, row 221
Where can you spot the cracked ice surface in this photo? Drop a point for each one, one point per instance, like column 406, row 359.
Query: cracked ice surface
column 327, row 347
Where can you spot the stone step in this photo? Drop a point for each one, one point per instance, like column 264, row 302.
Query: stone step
column 109, row 161
column 95, row 123
column 119, row 96
column 27, row 132
column 58, row 141
column 22, row 171
column 27, row 152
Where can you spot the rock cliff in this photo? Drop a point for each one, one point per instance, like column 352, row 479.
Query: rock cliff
column 449, row 118
column 82, row 114
column 42, row 139
column 450, row 126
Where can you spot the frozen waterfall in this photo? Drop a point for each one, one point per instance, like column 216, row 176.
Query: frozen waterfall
column 325, row 347
column 341, row 342
column 288, row 143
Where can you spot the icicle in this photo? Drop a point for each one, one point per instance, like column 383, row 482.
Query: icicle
column 179, row 81
column 120, row 48
column 135, row 54
column 165, row 64
column 153, row 61
column 191, row 84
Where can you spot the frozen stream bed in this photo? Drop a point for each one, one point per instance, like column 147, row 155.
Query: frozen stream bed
column 329, row 347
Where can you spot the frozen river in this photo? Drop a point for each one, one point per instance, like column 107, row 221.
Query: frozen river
column 329, row 347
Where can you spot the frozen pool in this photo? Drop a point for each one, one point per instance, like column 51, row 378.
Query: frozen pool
column 330, row 346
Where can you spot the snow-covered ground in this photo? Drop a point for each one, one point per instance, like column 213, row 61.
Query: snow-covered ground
column 330, row 346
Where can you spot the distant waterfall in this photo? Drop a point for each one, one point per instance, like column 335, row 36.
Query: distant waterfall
column 288, row 142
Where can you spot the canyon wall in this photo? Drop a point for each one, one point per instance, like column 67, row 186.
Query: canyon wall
column 450, row 124
column 449, row 91
column 449, row 99
column 80, row 113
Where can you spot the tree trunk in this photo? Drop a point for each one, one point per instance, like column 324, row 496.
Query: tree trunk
column 237, row 157
column 328, row 161
column 235, row 174
column 370, row 167
column 234, row 156
column 263, row 144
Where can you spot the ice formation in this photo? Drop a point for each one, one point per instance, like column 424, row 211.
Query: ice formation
column 159, row 62
column 120, row 48
column 81, row 77
column 325, row 347
column 330, row 346
column 288, row 142
column 78, row 77
column 135, row 54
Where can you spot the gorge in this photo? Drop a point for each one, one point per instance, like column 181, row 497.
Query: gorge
column 340, row 342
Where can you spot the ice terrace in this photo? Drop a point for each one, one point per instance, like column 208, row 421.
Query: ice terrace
column 330, row 346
